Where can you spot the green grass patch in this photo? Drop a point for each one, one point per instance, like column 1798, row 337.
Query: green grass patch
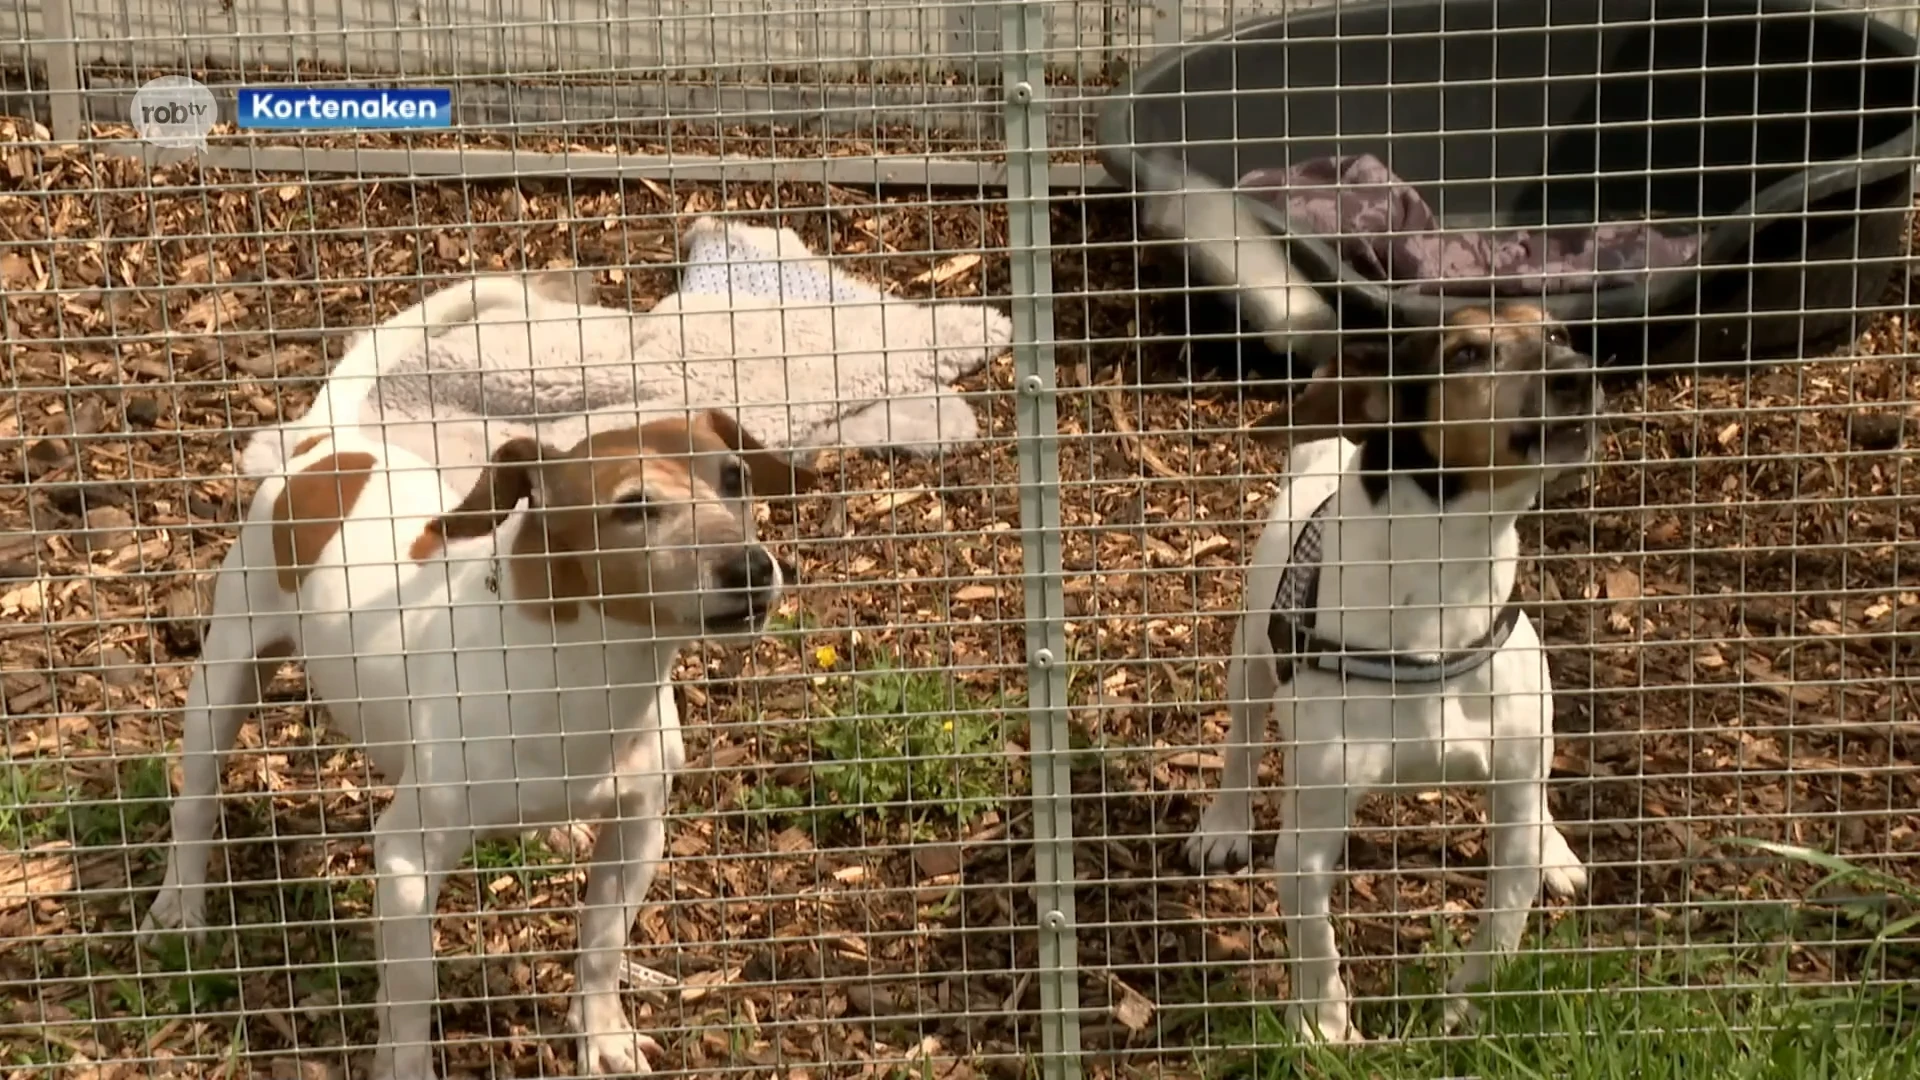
column 529, row 861
column 895, row 744
column 40, row 803
column 1663, row 1014
column 514, row 853
column 1690, row 1009
column 34, row 797
column 799, row 622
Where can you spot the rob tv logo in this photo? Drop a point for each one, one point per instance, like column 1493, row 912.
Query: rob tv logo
column 171, row 113
column 174, row 111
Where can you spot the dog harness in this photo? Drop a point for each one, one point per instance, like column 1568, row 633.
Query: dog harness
column 1295, row 640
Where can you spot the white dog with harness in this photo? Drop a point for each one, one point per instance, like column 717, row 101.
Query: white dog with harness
column 1382, row 630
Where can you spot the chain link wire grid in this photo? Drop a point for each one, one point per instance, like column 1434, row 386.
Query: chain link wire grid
column 1698, row 592
column 932, row 823
column 852, row 846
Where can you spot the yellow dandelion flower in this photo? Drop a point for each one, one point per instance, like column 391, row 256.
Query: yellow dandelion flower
column 825, row 657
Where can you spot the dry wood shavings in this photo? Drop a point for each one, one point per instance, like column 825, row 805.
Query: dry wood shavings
column 1760, row 672
column 1748, row 512
column 1119, row 411
column 946, row 271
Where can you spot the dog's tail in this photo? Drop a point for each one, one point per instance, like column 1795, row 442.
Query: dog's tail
column 1228, row 245
column 351, row 382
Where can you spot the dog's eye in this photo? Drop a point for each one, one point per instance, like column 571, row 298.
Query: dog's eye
column 733, row 480
column 632, row 508
column 1557, row 336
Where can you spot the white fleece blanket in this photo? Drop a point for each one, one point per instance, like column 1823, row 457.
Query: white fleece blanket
column 806, row 356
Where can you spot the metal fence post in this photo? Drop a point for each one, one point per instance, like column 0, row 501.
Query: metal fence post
column 1023, row 41
column 63, row 71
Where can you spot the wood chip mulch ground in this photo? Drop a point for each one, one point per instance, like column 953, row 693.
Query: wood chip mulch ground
column 1730, row 603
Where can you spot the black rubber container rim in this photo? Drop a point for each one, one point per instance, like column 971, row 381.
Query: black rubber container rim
column 1123, row 158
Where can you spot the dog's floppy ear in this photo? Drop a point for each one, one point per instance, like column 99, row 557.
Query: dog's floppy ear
column 1354, row 394
column 773, row 474
column 1347, row 397
column 510, row 477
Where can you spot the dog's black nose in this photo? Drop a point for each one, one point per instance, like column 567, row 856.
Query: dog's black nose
column 1568, row 360
column 1571, row 377
column 753, row 571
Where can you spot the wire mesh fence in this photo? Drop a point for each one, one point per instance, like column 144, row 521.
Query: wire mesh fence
column 936, row 818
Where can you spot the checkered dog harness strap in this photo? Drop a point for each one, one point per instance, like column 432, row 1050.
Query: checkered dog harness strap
column 1295, row 640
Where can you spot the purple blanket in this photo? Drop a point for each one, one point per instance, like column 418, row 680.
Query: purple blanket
column 1370, row 203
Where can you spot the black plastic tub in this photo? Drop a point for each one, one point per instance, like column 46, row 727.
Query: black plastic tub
column 1783, row 130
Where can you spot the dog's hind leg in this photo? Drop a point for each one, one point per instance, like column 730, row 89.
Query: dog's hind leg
column 1225, row 835
column 1313, row 832
column 1516, row 834
column 237, row 662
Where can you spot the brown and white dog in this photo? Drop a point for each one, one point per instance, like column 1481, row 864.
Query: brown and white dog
column 504, row 659
column 1380, row 629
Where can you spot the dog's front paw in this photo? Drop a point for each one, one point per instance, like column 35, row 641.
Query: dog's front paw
column 616, row 1053
column 1564, row 874
column 403, row 1063
column 1458, row 1012
column 1225, row 836
column 174, row 910
column 609, row 1045
column 1327, row 1022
